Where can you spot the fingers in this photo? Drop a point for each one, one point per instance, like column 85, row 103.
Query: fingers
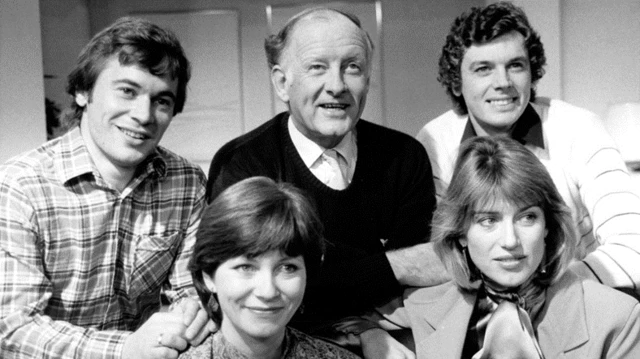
column 199, row 329
column 172, row 341
column 188, row 308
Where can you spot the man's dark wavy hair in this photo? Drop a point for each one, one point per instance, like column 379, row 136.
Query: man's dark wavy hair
column 479, row 26
column 133, row 41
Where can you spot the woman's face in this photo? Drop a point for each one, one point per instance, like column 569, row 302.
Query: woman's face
column 258, row 296
column 506, row 243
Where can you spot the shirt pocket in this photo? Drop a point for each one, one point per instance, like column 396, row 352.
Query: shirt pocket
column 154, row 258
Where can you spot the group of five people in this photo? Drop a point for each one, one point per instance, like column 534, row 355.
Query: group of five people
column 314, row 235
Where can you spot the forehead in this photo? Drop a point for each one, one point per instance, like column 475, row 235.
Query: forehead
column 114, row 72
column 501, row 49
column 324, row 34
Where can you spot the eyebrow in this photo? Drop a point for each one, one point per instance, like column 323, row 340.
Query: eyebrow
column 514, row 59
column 137, row 86
column 488, row 211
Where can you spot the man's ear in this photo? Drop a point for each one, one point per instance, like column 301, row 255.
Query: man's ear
column 82, row 99
column 456, row 90
column 280, row 83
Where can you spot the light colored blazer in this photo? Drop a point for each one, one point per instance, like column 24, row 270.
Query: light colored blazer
column 581, row 319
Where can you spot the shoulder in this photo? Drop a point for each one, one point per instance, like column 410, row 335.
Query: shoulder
column 556, row 112
column 180, row 172
column 448, row 124
column 34, row 165
column 387, row 142
column 306, row 347
column 444, row 292
column 596, row 302
column 369, row 130
column 441, row 136
column 254, row 142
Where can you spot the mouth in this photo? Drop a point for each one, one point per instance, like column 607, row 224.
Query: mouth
column 510, row 260
column 503, row 102
column 265, row 310
column 133, row 134
column 334, row 106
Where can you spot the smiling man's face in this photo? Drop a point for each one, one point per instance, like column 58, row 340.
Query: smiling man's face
column 496, row 83
column 125, row 115
column 324, row 77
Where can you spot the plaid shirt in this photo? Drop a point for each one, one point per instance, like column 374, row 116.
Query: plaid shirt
column 82, row 265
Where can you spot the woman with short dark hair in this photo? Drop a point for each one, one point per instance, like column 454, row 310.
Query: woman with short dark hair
column 256, row 245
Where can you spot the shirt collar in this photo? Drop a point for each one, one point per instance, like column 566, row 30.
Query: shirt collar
column 74, row 159
column 528, row 129
column 310, row 151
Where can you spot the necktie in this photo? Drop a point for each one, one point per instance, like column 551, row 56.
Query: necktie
column 338, row 166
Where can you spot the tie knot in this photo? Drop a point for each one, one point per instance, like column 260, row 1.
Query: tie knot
column 338, row 165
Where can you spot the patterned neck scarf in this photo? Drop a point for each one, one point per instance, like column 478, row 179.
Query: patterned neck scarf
column 521, row 307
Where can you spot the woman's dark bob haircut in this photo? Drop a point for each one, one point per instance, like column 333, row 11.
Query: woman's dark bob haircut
column 251, row 218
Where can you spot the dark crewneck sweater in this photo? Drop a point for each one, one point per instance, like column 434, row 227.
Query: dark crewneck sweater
column 390, row 200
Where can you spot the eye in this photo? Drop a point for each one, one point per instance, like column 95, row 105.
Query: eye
column 482, row 70
column 487, row 222
column 289, row 268
column 529, row 218
column 245, row 268
column 517, row 66
column 165, row 103
column 127, row 92
column 316, row 67
column 354, row 68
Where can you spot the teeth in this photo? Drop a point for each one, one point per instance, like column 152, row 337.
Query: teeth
column 132, row 134
column 330, row 105
column 501, row 102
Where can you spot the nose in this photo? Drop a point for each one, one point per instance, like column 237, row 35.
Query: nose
column 510, row 238
column 265, row 287
column 501, row 78
column 335, row 84
column 141, row 110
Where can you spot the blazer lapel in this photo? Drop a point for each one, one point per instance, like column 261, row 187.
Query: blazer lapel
column 448, row 317
column 564, row 324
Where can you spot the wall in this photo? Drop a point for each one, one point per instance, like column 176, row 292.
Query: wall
column 65, row 31
column 413, row 33
column 22, row 116
column 592, row 46
column 601, row 52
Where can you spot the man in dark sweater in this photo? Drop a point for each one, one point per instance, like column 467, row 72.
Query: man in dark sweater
column 372, row 185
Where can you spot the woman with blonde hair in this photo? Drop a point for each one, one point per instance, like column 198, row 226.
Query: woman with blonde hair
column 506, row 237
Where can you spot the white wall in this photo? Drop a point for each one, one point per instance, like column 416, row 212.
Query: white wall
column 592, row 47
column 601, row 52
column 22, row 115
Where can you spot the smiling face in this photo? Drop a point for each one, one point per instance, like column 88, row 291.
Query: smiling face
column 324, row 77
column 125, row 116
column 496, row 83
column 258, row 296
column 506, row 243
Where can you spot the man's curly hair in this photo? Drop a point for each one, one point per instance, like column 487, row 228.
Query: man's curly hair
column 479, row 26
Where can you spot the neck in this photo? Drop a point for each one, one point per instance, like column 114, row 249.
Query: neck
column 490, row 131
column 116, row 176
column 254, row 348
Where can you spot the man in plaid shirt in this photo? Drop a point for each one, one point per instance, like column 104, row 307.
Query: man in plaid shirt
column 95, row 224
